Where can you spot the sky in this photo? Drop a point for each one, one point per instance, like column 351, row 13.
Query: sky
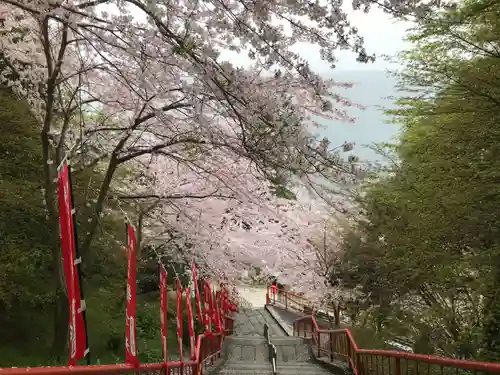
column 382, row 34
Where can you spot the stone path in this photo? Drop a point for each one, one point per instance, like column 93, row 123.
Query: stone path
column 250, row 322
column 247, row 351
column 253, row 295
column 252, row 317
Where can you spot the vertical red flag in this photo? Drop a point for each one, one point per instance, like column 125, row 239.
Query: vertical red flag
column 179, row 319
column 215, row 312
column 207, row 307
column 77, row 332
column 225, row 303
column 163, row 312
column 130, row 330
column 196, row 293
column 220, row 311
column 190, row 323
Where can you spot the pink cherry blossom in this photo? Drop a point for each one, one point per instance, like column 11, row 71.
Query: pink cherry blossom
column 141, row 89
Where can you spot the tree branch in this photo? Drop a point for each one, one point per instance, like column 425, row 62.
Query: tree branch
column 175, row 196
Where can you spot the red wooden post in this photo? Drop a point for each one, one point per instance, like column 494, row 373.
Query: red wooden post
column 349, row 349
column 398, row 366
column 358, row 363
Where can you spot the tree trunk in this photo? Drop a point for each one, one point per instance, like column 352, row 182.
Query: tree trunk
column 61, row 320
column 61, row 308
column 336, row 312
column 98, row 208
column 61, row 313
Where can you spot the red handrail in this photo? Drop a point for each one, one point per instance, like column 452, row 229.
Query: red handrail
column 292, row 300
column 208, row 348
column 339, row 346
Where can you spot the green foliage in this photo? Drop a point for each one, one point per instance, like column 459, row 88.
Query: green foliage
column 427, row 258
column 281, row 191
column 27, row 287
column 148, row 275
column 24, row 246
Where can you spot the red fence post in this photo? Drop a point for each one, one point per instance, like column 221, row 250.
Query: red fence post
column 398, row 366
column 349, row 349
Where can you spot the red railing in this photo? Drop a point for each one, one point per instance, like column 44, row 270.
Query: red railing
column 338, row 346
column 292, row 301
column 208, row 350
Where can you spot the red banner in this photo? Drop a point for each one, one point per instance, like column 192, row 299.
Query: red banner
column 163, row 312
column 197, row 293
column 230, row 306
column 225, row 302
column 215, row 312
column 207, row 307
column 220, row 311
column 179, row 319
column 190, row 324
column 130, row 330
column 77, row 332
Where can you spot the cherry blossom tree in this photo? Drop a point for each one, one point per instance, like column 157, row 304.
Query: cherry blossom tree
column 225, row 206
column 227, row 217
column 113, row 83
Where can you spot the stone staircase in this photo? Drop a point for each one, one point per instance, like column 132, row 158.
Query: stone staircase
column 245, row 348
column 301, row 368
column 245, row 368
column 291, row 349
column 247, row 353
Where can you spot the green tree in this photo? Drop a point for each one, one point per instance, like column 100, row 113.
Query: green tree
column 428, row 254
column 25, row 266
column 27, row 297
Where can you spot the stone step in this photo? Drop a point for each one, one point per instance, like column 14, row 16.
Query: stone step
column 289, row 340
column 248, row 340
column 245, row 368
column 250, row 348
column 291, row 349
column 246, row 348
column 251, row 323
column 253, row 368
column 301, row 368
